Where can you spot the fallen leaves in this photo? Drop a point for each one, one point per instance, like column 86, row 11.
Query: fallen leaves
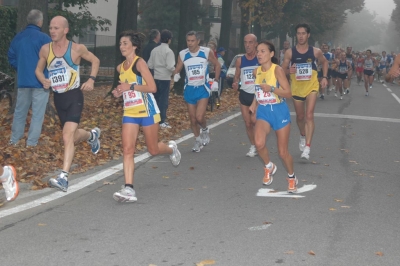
column 312, row 253
column 379, row 253
column 205, row 262
column 34, row 164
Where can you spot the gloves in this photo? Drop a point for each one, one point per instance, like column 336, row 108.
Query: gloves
column 214, row 86
column 177, row 77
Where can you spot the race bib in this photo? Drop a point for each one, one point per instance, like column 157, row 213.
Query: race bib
column 248, row 77
column 303, row 71
column 263, row 97
column 132, row 99
column 196, row 72
column 359, row 65
column 342, row 69
column 59, row 79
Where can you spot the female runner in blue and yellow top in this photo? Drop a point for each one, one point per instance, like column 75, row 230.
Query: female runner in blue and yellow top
column 271, row 89
column 140, row 109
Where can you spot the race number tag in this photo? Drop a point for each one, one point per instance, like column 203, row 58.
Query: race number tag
column 59, row 79
column 195, row 72
column 343, row 69
column 263, row 97
column 248, row 77
column 303, row 71
column 132, row 99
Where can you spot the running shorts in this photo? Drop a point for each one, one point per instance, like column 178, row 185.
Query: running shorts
column 277, row 115
column 69, row 106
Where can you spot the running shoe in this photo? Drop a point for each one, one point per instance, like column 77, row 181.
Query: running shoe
column 252, row 152
column 197, row 146
column 292, row 184
column 302, row 143
column 370, row 87
column 205, row 136
column 341, row 97
column 347, row 91
column 322, row 97
column 95, row 143
column 366, row 93
column 126, row 194
column 11, row 186
column 165, row 125
column 306, row 153
column 59, row 182
column 269, row 175
column 175, row 156
column 335, row 94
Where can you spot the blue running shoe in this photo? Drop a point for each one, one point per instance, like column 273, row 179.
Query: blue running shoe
column 59, row 182
column 95, row 144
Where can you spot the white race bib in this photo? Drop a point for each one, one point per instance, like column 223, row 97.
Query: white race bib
column 248, row 77
column 263, row 97
column 132, row 99
column 195, row 72
column 59, row 79
column 303, row 71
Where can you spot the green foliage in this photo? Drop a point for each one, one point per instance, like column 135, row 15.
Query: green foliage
column 164, row 14
column 8, row 24
column 80, row 21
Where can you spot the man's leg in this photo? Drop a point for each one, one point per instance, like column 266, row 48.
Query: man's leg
column 24, row 99
column 40, row 97
column 163, row 86
column 249, row 120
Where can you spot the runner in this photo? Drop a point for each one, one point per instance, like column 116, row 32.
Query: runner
column 343, row 67
column 359, row 67
column 8, row 178
column 334, row 73
column 286, row 46
column 329, row 57
column 271, row 89
column 383, row 64
column 244, row 72
column 351, row 59
column 140, row 109
column 303, row 73
column 195, row 58
column 369, row 66
column 62, row 58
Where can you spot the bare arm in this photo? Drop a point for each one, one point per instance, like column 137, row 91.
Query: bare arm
column 321, row 58
column 44, row 51
column 394, row 71
column 84, row 53
column 179, row 66
column 236, row 78
column 284, row 88
column 286, row 61
column 217, row 65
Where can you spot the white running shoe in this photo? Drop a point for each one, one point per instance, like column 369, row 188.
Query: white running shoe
column 205, row 136
column 126, row 194
column 302, row 143
column 252, row 152
column 197, row 146
column 165, row 125
column 175, row 156
column 335, row 94
column 11, row 186
column 306, row 153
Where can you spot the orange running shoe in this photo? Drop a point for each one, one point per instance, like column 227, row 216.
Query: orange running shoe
column 268, row 176
column 292, row 184
column 11, row 186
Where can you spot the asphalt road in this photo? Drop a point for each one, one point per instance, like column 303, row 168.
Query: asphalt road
column 214, row 208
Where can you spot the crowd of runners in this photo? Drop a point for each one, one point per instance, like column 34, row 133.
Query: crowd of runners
column 265, row 78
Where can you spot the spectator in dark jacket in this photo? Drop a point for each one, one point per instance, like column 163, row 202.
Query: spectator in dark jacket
column 23, row 56
column 154, row 40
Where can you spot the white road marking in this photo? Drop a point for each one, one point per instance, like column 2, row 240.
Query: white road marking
column 90, row 179
column 272, row 193
column 258, row 228
column 397, row 98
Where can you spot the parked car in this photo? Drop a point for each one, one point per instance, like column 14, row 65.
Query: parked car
column 230, row 74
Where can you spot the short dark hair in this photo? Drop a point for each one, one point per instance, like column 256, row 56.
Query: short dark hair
column 136, row 39
column 166, row 35
column 303, row 25
column 153, row 34
column 369, row 51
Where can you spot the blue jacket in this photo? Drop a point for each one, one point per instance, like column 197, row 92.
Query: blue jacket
column 23, row 55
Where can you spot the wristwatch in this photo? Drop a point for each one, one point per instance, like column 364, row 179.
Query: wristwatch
column 325, row 77
column 272, row 89
column 92, row 77
column 132, row 87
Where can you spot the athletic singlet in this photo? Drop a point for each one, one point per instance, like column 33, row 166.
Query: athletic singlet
column 383, row 60
column 368, row 64
column 360, row 62
column 246, row 73
column 196, row 66
column 268, row 77
column 136, row 103
column 63, row 72
column 349, row 58
column 329, row 57
column 305, row 80
column 342, row 69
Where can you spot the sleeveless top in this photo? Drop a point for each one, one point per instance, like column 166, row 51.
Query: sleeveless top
column 343, row 67
column 196, row 66
column 383, row 60
column 246, row 73
column 268, row 77
column 305, row 80
column 329, row 57
column 63, row 72
column 360, row 62
column 136, row 103
column 349, row 58
column 368, row 64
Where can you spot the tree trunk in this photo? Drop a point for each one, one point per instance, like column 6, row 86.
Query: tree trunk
column 24, row 6
column 126, row 20
column 226, row 23
column 244, row 27
column 185, row 25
